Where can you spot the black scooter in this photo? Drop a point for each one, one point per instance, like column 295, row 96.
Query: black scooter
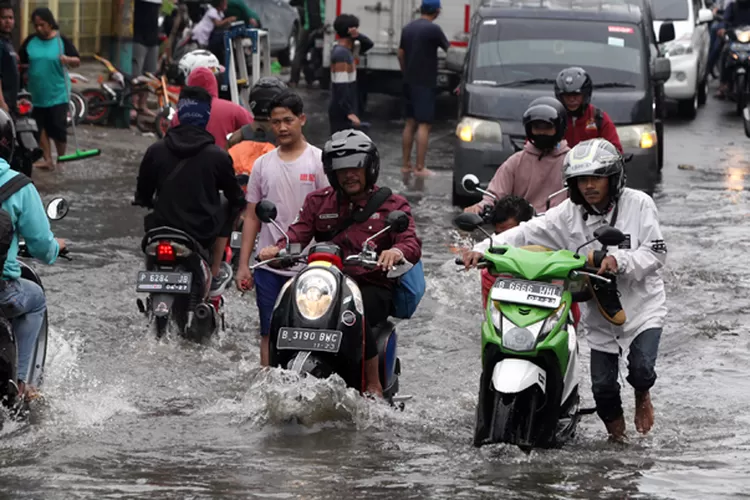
column 16, row 406
column 737, row 60
column 317, row 327
column 27, row 150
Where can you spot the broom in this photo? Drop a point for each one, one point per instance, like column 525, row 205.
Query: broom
column 79, row 154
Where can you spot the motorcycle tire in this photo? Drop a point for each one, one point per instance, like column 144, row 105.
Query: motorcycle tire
column 740, row 89
column 97, row 111
column 81, row 105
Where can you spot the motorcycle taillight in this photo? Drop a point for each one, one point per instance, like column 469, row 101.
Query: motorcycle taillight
column 24, row 108
column 165, row 252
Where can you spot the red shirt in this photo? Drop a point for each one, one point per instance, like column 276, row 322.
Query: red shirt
column 322, row 213
column 584, row 128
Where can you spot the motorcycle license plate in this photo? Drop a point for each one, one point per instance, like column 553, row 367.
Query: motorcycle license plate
column 305, row 339
column 164, row 282
column 235, row 241
column 530, row 293
column 319, row 43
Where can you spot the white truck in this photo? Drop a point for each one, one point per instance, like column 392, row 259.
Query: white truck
column 382, row 21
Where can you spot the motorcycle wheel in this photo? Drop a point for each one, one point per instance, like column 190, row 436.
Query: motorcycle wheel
column 740, row 89
column 97, row 107
column 145, row 124
column 82, row 108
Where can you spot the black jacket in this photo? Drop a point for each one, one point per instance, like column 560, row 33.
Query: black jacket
column 190, row 201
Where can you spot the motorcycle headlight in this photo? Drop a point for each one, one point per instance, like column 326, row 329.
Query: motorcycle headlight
column 743, row 36
column 519, row 339
column 637, row 136
column 497, row 318
column 359, row 304
column 475, row 130
column 314, row 294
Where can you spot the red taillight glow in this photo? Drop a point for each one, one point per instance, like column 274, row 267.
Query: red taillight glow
column 164, row 252
column 24, row 108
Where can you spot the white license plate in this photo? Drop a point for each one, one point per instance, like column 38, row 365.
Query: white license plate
column 531, row 293
column 305, row 339
column 163, row 282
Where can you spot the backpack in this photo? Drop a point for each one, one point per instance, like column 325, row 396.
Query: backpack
column 7, row 231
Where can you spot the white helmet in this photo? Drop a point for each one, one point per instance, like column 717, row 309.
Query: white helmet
column 199, row 59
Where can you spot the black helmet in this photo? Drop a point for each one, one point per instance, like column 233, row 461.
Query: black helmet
column 574, row 81
column 7, row 136
column 262, row 93
column 547, row 110
column 594, row 158
column 351, row 149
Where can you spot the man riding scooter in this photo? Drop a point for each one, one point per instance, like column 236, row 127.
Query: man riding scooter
column 352, row 164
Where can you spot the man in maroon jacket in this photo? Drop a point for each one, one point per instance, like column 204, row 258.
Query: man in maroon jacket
column 352, row 164
column 573, row 88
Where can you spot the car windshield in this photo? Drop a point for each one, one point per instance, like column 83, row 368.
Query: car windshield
column 670, row 10
column 521, row 52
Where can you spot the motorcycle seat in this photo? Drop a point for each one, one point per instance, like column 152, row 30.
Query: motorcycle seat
column 172, row 234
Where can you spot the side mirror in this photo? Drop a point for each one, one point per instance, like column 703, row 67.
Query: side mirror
column 705, row 16
column 746, row 120
column 398, row 221
column 468, row 222
column 470, row 182
column 266, row 211
column 57, row 209
column 609, row 236
column 243, row 179
column 662, row 69
column 666, row 32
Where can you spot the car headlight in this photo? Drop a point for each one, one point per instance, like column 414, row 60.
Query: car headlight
column 359, row 304
column 637, row 136
column 315, row 291
column 676, row 48
column 519, row 339
column 551, row 322
column 476, row 130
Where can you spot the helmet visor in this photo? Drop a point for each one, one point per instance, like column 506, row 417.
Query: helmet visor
column 355, row 160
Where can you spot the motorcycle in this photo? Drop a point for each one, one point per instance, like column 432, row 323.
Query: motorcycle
column 312, row 65
column 528, row 390
column 737, row 60
column 317, row 327
column 27, row 150
column 9, row 397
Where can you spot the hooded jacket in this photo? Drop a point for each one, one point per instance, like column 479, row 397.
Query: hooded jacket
column 531, row 175
column 191, row 200
column 639, row 259
column 29, row 221
column 226, row 116
column 584, row 128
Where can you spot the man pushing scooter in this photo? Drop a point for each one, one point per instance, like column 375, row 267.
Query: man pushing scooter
column 595, row 176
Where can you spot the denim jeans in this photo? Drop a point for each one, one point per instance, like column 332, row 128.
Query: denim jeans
column 605, row 368
column 23, row 303
column 714, row 52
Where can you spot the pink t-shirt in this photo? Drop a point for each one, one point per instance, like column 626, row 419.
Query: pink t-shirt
column 286, row 184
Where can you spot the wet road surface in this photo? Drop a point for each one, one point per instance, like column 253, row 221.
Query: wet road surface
column 126, row 416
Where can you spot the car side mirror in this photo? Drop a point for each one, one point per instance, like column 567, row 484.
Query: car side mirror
column 470, row 182
column 468, row 222
column 266, row 211
column 662, row 69
column 609, row 236
column 705, row 16
column 398, row 221
column 666, row 32
column 57, row 209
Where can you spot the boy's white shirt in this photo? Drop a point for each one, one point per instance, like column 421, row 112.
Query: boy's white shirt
column 639, row 282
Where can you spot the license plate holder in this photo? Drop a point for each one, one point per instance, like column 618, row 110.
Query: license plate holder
column 530, row 293
column 164, row 282
column 235, row 242
column 309, row 339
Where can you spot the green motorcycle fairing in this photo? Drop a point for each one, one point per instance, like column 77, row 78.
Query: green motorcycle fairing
column 533, row 265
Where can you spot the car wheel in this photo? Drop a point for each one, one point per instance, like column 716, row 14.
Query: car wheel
column 287, row 56
column 703, row 91
column 688, row 108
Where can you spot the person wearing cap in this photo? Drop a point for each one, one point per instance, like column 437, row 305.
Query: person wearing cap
column 417, row 55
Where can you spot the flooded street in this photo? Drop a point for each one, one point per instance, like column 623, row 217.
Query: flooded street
column 125, row 416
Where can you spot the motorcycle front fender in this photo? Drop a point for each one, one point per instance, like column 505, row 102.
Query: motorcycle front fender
column 513, row 375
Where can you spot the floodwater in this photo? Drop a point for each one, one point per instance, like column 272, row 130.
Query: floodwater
column 125, row 416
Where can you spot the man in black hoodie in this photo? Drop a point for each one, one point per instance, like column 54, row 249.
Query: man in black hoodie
column 190, row 199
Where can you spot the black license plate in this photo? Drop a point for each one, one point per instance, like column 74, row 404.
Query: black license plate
column 163, row 282
column 305, row 339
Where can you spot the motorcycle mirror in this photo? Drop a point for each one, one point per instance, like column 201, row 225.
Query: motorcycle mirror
column 609, row 236
column 266, row 211
column 470, row 182
column 398, row 221
column 57, row 209
column 468, row 222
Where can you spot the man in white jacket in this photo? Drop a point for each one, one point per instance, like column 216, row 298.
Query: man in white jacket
column 633, row 318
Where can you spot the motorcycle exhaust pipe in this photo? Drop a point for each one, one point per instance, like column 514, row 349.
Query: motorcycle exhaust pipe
column 203, row 312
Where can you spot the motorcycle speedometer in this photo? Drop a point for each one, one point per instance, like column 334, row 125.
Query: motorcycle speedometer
column 314, row 293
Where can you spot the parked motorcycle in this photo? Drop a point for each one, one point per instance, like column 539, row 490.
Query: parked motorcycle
column 317, row 327
column 27, row 150
column 528, row 390
column 312, row 64
column 9, row 397
column 737, row 60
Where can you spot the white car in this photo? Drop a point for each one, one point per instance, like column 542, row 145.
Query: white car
column 687, row 53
